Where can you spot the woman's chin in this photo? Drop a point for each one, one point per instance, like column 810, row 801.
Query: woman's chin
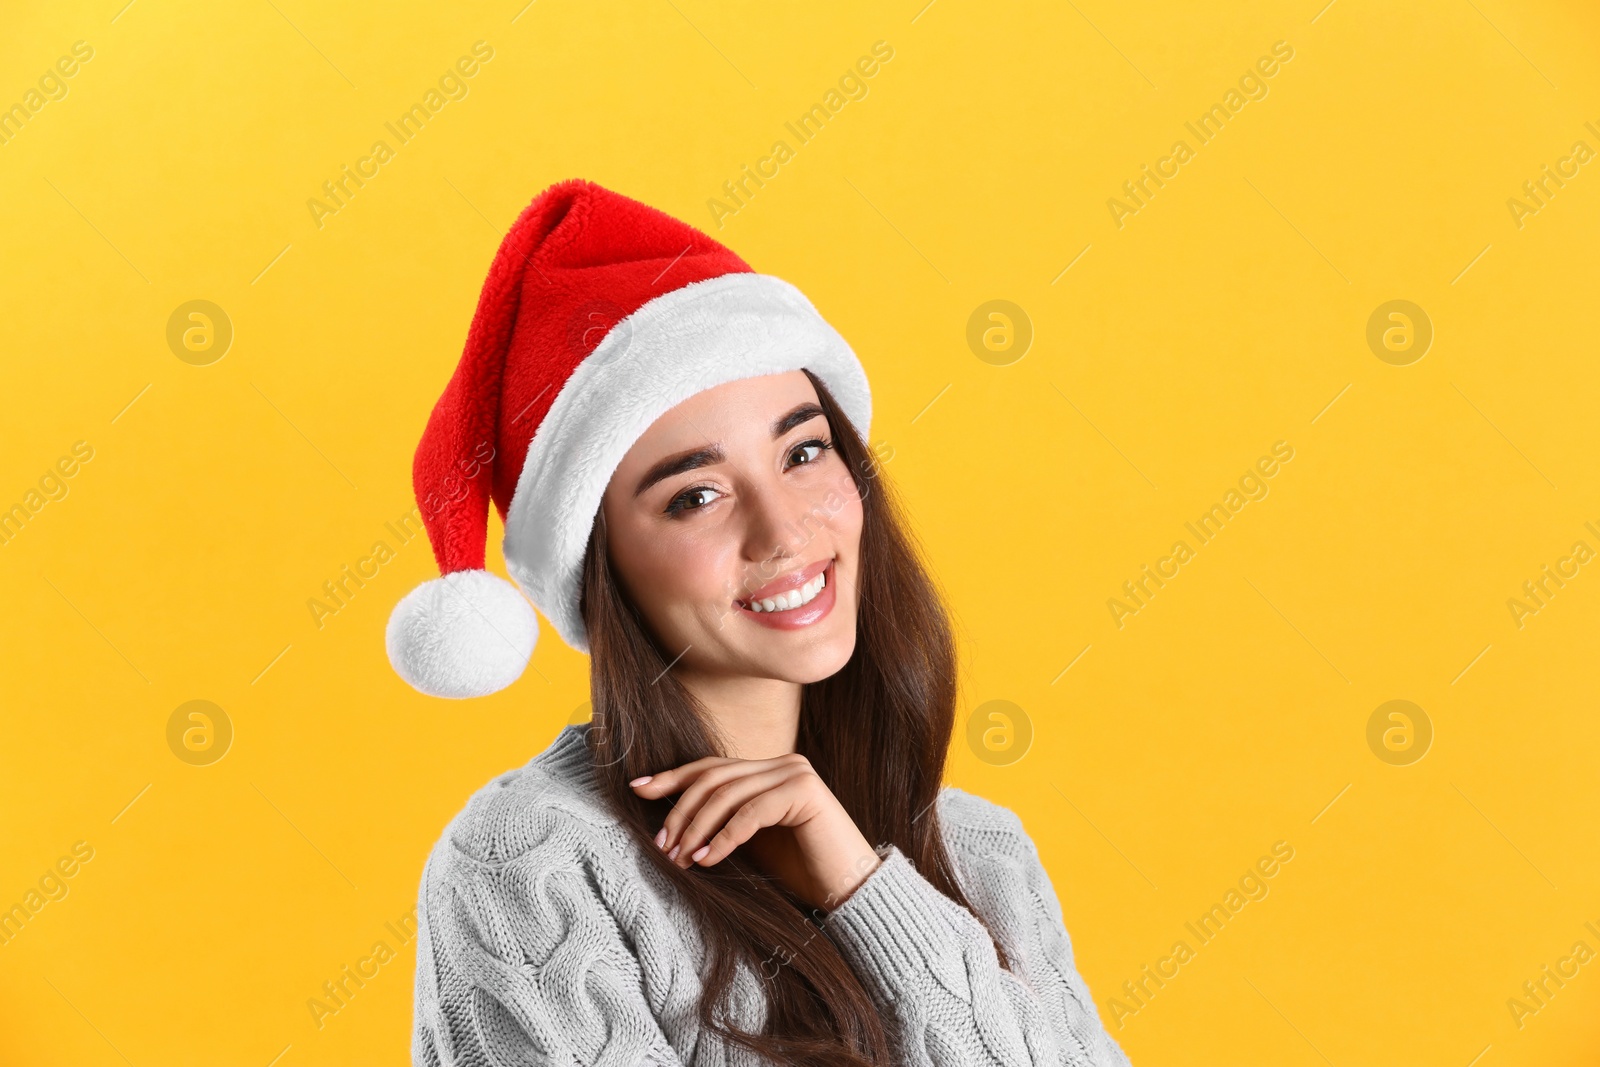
column 793, row 657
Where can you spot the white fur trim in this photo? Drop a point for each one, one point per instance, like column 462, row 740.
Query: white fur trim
column 683, row 342
column 467, row 634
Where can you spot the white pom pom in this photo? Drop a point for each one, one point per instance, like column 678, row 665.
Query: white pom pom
column 467, row 634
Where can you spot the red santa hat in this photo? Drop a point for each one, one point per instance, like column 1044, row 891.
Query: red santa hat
column 599, row 315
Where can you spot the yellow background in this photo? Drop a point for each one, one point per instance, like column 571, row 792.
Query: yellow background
column 1228, row 314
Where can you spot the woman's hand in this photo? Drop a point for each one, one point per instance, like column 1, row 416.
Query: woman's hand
column 782, row 812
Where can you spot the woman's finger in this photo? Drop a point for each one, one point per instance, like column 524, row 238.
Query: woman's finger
column 765, row 809
column 664, row 783
column 676, row 779
column 714, row 808
column 695, row 785
column 694, row 795
column 709, row 781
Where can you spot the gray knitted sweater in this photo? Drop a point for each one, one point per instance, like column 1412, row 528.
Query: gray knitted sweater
column 545, row 937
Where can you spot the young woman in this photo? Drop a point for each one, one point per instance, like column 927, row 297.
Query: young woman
column 747, row 854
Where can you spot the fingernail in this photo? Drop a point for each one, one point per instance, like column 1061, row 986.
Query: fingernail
column 641, row 781
column 661, row 837
column 700, row 852
column 674, row 853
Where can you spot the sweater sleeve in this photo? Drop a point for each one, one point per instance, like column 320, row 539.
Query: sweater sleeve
column 930, row 964
column 519, row 962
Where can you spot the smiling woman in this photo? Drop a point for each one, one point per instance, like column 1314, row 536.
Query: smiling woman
column 747, row 856
column 747, row 513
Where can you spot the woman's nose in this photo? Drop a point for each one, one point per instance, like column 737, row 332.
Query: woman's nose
column 780, row 522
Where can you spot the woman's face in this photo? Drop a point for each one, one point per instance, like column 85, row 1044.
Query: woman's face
column 730, row 508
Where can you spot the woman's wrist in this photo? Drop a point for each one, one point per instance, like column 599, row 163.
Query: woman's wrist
column 863, row 861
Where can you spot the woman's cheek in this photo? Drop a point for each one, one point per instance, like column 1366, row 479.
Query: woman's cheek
column 846, row 502
column 695, row 570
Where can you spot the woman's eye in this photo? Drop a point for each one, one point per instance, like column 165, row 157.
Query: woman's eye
column 690, row 499
column 810, row 451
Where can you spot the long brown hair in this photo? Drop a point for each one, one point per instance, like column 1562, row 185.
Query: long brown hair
column 877, row 732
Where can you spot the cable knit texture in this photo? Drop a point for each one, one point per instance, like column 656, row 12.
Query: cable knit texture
column 546, row 938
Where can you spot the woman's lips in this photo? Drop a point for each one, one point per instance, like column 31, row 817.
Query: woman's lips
column 792, row 580
column 805, row 614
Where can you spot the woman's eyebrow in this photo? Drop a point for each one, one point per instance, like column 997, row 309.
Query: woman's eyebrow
column 804, row 413
column 683, row 461
column 705, row 457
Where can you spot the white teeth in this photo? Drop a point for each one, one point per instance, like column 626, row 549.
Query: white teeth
column 792, row 599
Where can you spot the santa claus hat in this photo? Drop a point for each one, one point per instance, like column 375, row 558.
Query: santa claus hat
column 599, row 315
